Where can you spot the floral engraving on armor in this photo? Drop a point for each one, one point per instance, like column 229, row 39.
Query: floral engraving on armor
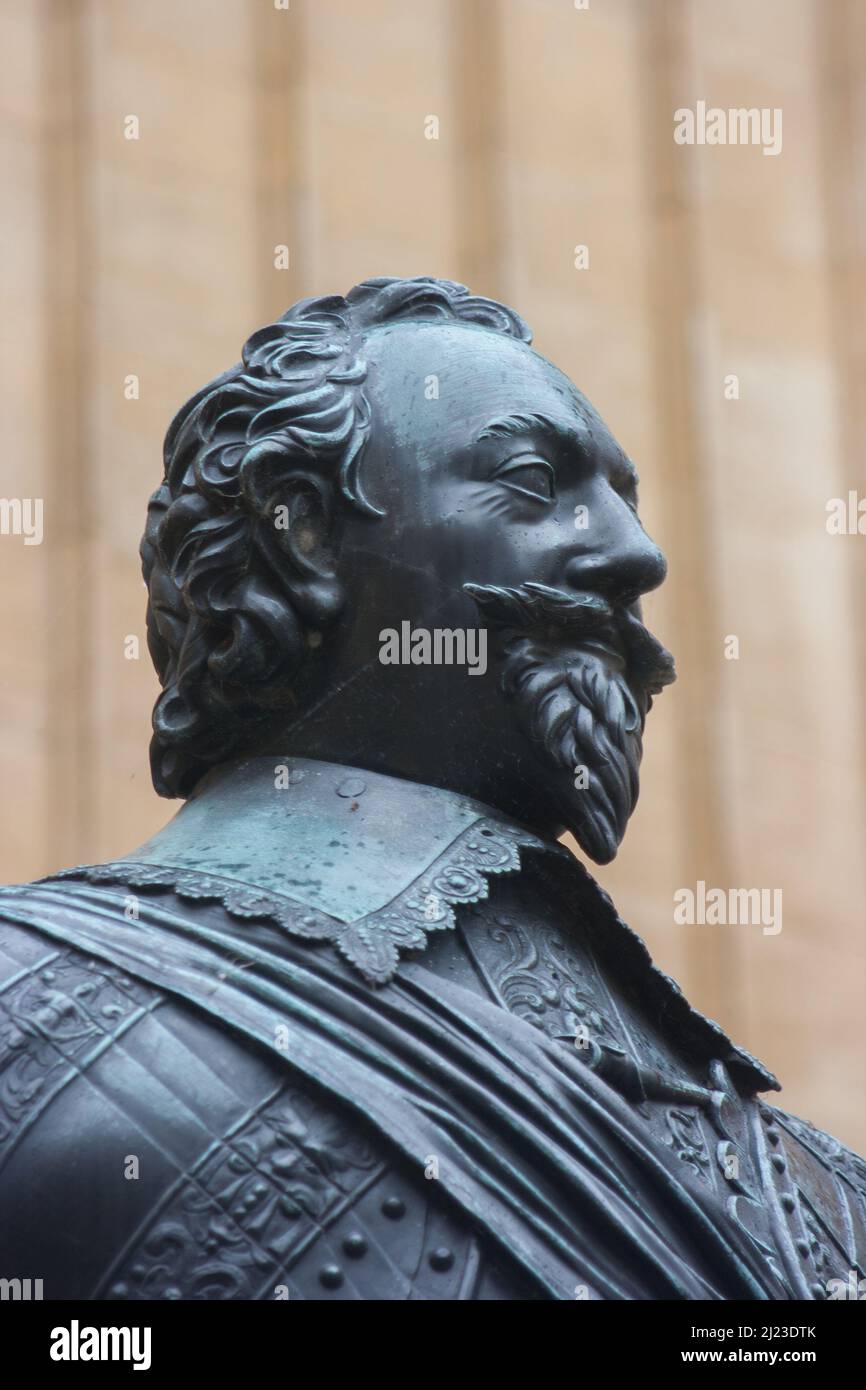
column 844, row 1162
column 251, row 1206
column 825, row 1177
column 53, row 1022
column 687, row 1140
column 541, row 978
column 538, row 978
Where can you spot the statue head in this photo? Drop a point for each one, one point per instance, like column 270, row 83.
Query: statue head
column 382, row 484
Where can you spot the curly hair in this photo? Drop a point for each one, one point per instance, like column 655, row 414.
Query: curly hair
column 233, row 607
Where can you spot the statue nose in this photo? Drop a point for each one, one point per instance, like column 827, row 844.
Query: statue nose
column 621, row 571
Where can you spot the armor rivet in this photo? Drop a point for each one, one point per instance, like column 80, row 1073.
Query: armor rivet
column 355, row 1245
column 441, row 1259
column 393, row 1208
column 331, row 1277
column 352, row 787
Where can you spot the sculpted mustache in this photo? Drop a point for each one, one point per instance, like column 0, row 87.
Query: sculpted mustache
column 538, row 608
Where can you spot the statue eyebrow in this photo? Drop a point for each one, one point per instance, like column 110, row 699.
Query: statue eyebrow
column 511, row 425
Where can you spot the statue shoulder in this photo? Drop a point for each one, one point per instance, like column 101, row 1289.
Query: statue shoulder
column 146, row 1152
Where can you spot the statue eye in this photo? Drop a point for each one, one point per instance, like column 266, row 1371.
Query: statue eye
column 531, row 476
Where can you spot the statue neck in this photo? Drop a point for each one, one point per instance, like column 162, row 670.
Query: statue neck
column 424, row 725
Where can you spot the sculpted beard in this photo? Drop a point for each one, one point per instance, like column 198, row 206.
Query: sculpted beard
column 581, row 673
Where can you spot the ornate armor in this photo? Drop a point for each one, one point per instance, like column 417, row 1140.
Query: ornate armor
column 480, row 1087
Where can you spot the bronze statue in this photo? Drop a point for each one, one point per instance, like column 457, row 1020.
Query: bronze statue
column 355, row 1024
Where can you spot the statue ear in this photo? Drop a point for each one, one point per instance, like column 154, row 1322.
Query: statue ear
column 296, row 531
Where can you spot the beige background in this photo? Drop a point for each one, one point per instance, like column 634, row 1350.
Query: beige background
column 260, row 127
